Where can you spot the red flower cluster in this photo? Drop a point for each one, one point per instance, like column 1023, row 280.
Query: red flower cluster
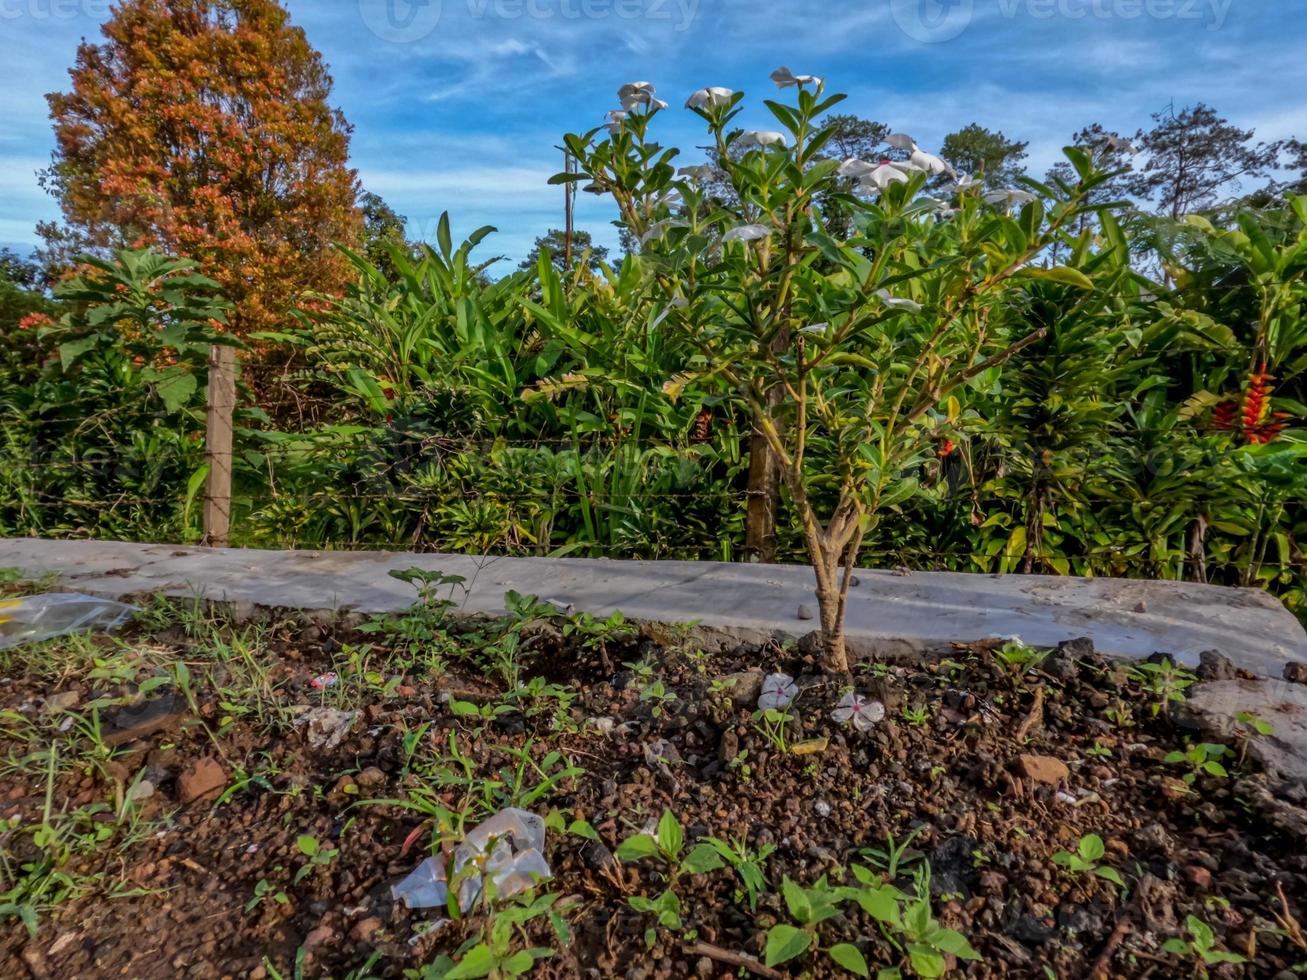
column 1252, row 414
column 34, row 321
column 946, row 449
column 703, row 425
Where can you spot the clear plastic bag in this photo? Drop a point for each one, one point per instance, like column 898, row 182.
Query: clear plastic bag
column 513, row 863
column 43, row 617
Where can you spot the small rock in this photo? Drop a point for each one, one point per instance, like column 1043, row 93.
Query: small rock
column 139, row 721
column 1215, row 666
column 1295, row 672
column 1040, row 768
column 317, row 937
column 805, row 612
column 599, row 858
column 140, row 791
column 822, row 808
column 743, row 687
column 366, row 929
column 1154, row 837
column 729, row 747
column 63, row 701
column 370, row 777
column 1198, row 876
column 1141, row 606
column 204, row 778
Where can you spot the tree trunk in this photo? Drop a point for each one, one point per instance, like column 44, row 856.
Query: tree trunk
column 764, row 493
column 830, row 604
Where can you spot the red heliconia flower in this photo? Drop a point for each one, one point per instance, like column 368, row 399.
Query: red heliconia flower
column 1224, row 415
column 703, row 425
column 946, row 449
column 1256, row 406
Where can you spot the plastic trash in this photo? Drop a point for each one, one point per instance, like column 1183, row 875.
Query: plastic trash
column 778, row 690
column 327, row 727
column 855, row 708
column 43, row 617
column 329, row 679
column 507, row 851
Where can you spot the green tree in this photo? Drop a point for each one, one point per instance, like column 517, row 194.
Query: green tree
column 554, row 242
column 986, row 154
column 1193, row 158
column 383, row 230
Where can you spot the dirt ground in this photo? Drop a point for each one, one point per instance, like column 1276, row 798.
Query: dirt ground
column 194, row 798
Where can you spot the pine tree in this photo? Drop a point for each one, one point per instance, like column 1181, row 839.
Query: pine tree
column 986, row 154
column 202, row 128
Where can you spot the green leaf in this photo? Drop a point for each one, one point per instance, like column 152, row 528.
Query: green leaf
column 1061, row 273
column 582, row 828
column 176, row 388
column 879, row 903
column 784, row 943
column 797, row 900
column 850, row 957
column 307, row 844
column 1091, row 847
column 670, row 836
column 476, row 962
column 926, row 962
column 638, row 847
column 702, row 859
column 70, row 352
column 1111, row 874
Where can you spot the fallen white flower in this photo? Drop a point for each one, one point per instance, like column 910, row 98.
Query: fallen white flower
column 707, row 98
column 778, row 691
column 863, row 713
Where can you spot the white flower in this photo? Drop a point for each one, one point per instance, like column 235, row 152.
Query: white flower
column 633, row 94
column 762, row 138
column 1010, row 197
column 778, row 690
column 815, row 328
column 885, row 174
column 858, row 169
column 615, row 119
column 897, row 303
column 746, row 233
column 963, row 184
column 1120, row 144
column 659, row 228
column 1013, row 639
column 928, row 162
column 707, row 98
column 863, row 713
column 901, row 141
column 698, row 171
column 784, row 78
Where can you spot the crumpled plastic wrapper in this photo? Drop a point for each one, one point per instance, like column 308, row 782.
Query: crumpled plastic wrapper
column 44, row 617
column 513, row 863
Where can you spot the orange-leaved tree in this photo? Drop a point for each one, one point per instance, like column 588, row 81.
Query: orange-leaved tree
column 202, row 128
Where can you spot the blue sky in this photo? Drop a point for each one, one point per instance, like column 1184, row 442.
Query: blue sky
column 458, row 104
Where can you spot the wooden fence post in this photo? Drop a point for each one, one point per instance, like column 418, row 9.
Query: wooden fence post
column 217, row 445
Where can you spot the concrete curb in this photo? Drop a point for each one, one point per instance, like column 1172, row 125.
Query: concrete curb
column 889, row 614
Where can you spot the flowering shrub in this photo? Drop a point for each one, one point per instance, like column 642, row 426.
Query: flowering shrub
column 850, row 354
